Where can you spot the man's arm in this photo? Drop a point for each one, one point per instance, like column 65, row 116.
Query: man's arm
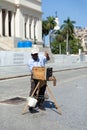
column 30, row 65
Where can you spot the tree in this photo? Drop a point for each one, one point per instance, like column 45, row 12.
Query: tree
column 68, row 27
column 59, row 39
column 45, row 30
column 68, row 31
column 51, row 24
column 65, row 39
column 75, row 46
column 47, row 26
column 62, row 40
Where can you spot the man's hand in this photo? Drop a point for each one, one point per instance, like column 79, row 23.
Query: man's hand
column 47, row 55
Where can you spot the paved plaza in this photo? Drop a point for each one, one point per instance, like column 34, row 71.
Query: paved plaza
column 70, row 93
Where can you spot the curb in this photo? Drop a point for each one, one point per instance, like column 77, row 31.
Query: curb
column 19, row 76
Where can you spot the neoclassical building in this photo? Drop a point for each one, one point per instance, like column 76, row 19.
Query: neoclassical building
column 20, row 20
column 81, row 33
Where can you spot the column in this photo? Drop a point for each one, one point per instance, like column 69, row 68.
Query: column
column 1, row 22
column 27, row 28
column 36, row 29
column 39, row 30
column 17, row 22
column 32, row 29
column 30, row 21
column 12, row 25
column 6, row 24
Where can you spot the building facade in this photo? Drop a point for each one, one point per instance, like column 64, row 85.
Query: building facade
column 20, row 20
column 81, row 33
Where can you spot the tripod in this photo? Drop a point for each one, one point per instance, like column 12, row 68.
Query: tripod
column 40, row 83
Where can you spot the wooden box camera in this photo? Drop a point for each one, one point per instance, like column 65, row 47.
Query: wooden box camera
column 42, row 73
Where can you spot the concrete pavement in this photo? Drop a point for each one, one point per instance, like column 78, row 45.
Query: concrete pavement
column 70, row 93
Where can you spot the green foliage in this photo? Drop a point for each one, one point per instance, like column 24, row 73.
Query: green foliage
column 74, row 46
column 45, row 29
column 47, row 26
column 62, row 36
column 55, row 47
column 51, row 23
column 66, row 34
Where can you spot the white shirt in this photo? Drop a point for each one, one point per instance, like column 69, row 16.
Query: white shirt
column 40, row 62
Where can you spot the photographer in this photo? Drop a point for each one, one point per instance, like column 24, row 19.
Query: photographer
column 37, row 61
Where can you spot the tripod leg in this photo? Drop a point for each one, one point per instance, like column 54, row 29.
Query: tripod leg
column 53, row 98
column 35, row 88
column 24, row 110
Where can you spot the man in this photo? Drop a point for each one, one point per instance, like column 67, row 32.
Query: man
column 37, row 61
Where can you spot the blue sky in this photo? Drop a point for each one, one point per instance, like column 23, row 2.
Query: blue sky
column 75, row 9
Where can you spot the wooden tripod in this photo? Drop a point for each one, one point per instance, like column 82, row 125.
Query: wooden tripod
column 37, row 86
column 51, row 94
column 55, row 102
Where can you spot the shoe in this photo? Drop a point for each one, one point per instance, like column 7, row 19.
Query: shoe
column 32, row 110
column 41, row 107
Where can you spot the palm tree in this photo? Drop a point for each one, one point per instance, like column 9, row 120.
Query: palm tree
column 68, row 30
column 45, row 30
column 59, row 38
column 47, row 27
column 51, row 24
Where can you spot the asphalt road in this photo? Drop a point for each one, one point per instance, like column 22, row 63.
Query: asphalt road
column 70, row 93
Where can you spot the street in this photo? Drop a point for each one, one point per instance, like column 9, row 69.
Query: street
column 70, row 93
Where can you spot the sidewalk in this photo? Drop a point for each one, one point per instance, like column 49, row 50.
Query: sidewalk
column 16, row 71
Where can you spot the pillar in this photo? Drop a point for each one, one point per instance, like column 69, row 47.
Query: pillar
column 27, row 28
column 12, row 25
column 32, row 29
column 40, row 30
column 6, row 24
column 1, row 24
column 36, row 29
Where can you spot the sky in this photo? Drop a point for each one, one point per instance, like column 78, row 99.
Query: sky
column 76, row 10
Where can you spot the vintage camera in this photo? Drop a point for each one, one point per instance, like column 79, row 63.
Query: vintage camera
column 42, row 73
column 49, row 72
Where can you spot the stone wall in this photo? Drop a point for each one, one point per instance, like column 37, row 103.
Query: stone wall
column 12, row 58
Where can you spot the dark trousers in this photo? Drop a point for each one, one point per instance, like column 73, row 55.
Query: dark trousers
column 41, row 91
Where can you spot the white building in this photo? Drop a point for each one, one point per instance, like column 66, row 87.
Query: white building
column 81, row 33
column 57, row 27
column 20, row 20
